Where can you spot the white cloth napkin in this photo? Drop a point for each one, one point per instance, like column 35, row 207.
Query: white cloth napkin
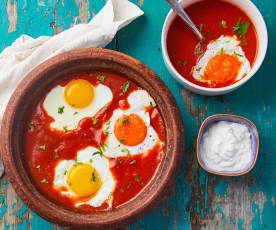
column 17, row 60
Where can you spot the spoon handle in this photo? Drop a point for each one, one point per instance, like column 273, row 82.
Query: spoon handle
column 175, row 5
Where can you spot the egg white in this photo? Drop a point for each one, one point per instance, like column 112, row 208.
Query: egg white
column 71, row 116
column 230, row 45
column 101, row 165
column 137, row 100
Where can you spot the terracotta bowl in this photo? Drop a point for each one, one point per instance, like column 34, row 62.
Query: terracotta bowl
column 36, row 84
column 209, row 121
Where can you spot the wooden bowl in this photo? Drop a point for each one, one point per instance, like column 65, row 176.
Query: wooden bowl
column 34, row 87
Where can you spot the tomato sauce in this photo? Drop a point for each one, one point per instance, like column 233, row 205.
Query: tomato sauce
column 131, row 173
column 182, row 43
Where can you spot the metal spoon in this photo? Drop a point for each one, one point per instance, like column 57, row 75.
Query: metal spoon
column 176, row 6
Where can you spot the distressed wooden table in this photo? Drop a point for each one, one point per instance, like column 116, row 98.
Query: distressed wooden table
column 199, row 200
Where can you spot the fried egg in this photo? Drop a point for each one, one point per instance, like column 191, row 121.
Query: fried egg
column 86, row 180
column 78, row 99
column 129, row 131
column 223, row 61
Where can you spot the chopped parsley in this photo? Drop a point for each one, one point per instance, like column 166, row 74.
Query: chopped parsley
column 94, row 121
column 223, row 24
column 125, row 150
column 56, row 155
column 133, row 162
column 38, row 166
column 120, row 160
column 102, row 147
column 129, row 185
column 199, row 52
column 221, row 51
column 238, row 54
column 65, row 172
column 93, row 177
column 75, row 113
column 65, row 129
column 61, row 110
column 122, row 140
column 201, row 27
column 122, row 190
column 101, row 78
column 151, row 105
column 198, row 69
column 137, row 177
column 125, row 87
column 108, row 123
column 183, row 63
column 126, row 121
column 106, row 133
column 90, row 161
column 43, row 147
column 241, row 27
column 98, row 152
column 31, row 127
column 44, row 181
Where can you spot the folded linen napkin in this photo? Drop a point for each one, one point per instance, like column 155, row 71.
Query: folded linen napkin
column 26, row 52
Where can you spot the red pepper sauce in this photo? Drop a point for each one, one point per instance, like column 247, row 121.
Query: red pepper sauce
column 131, row 173
column 182, row 43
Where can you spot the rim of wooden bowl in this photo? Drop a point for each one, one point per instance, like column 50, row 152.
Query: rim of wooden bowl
column 35, row 85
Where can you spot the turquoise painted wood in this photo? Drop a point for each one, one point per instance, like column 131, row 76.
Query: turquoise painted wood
column 199, row 200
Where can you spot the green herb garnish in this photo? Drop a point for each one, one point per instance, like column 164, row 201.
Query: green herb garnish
column 122, row 190
column 125, row 150
column 129, row 185
column 98, row 152
column 199, row 52
column 38, row 166
column 101, row 78
column 223, row 24
column 56, row 155
column 120, row 160
column 201, row 27
column 105, row 108
column 137, row 177
column 221, row 51
column 65, row 129
column 65, row 172
column 241, row 28
column 43, row 147
column 133, row 162
column 93, row 177
column 198, row 69
column 125, row 87
column 31, row 127
column 106, row 133
column 90, row 161
column 183, row 63
column 94, row 121
column 151, row 105
column 75, row 113
column 122, row 140
column 238, row 54
column 108, row 123
column 61, row 110
column 44, row 181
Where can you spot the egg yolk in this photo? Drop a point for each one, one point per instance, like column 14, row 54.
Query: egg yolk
column 130, row 130
column 79, row 93
column 222, row 68
column 84, row 180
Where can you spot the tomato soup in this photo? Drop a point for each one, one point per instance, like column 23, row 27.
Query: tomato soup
column 94, row 141
column 227, row 54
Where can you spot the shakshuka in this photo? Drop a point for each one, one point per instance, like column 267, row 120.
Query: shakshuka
column 227, row 54
column 94, row 141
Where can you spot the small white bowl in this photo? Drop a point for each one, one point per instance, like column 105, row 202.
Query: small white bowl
column 257, row 19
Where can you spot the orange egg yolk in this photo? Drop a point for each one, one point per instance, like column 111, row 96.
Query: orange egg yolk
column 79, row 93
column 130, row 130
column 84, row 179
column 222, row 68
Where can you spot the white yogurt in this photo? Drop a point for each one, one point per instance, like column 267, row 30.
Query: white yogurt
column 226, row 147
